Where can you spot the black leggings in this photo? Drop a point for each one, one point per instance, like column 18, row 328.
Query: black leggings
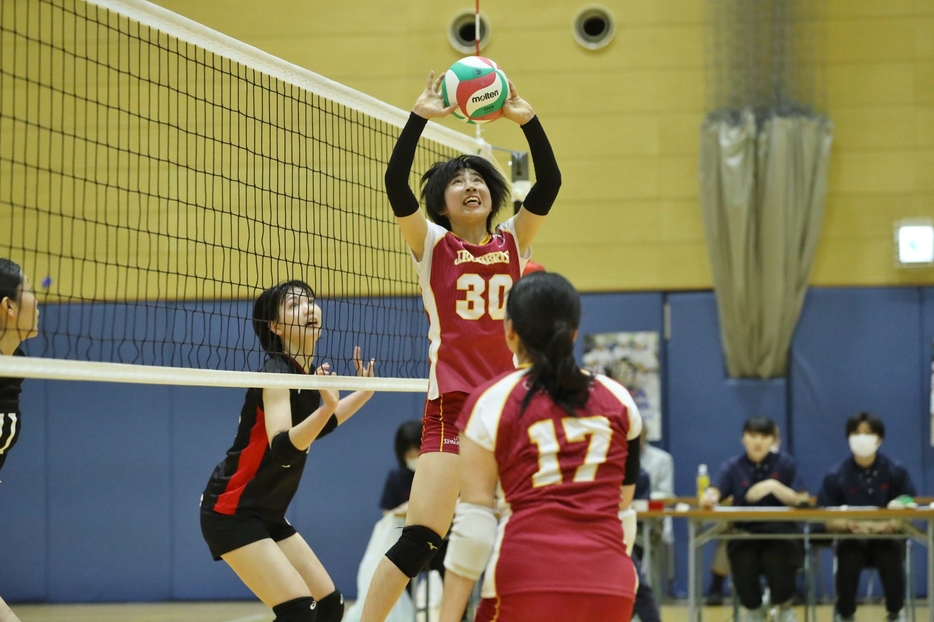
column 855, row 555
column 778, row 560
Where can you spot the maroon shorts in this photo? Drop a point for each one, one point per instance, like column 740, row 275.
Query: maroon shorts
column 439, row 432
column 564, row 606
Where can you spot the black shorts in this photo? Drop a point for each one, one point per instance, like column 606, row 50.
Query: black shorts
column 225, row 533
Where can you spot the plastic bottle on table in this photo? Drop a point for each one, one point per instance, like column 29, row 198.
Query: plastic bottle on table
column 703, row 481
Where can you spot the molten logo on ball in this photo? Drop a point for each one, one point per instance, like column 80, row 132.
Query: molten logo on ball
column 485, row 96
column 479, row 88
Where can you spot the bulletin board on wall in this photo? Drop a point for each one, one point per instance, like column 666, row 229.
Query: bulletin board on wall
column 632, row 359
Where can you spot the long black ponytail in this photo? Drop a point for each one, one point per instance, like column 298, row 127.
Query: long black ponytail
column 545, row 312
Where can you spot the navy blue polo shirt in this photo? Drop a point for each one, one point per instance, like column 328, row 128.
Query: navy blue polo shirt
column 850, row 484
column 740, row 474
column 397, row 488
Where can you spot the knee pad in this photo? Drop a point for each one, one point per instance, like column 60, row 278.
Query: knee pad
column 297, row 610
column 414, row 549
column 331, row 607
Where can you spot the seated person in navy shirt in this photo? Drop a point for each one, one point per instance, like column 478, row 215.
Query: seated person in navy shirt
column 399, row 481
column 762, row 478
column 867, row 478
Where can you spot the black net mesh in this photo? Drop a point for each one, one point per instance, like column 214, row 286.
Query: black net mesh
column 766, row 55
column 151, row 188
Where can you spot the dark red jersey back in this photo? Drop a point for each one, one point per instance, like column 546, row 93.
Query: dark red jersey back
column 561, row 477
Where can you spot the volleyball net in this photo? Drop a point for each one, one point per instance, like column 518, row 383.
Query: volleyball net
column 156, row 176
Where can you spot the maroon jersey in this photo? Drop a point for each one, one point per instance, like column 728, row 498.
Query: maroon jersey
column 561, row 477
column 464, row 289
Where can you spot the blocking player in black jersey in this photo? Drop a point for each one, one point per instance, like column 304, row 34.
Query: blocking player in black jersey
column 243, row 506
column 19, row 320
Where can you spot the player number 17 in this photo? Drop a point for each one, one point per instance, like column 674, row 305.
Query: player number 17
column 576, row 429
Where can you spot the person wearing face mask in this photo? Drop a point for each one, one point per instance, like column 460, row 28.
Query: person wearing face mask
column 761, row 478
column 870, row 478
column 398, row 485
column 394, row 503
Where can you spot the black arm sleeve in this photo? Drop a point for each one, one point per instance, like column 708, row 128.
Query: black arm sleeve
column 632, row 463
column 283, row 451
column 547, row 175
column 329, row 427
column 401, row 198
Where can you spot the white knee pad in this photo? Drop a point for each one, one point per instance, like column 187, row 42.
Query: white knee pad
column 472, row 537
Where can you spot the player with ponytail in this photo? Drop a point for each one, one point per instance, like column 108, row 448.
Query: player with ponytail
column 564, row 445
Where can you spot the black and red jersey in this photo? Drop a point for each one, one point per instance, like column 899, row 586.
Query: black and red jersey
column 248, row 482
column 10, row 420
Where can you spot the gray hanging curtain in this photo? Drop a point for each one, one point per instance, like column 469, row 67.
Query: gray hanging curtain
column 763, row 186
column 763, row 172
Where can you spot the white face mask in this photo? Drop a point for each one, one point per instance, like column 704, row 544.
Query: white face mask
column 864, row 445
column 411, row 463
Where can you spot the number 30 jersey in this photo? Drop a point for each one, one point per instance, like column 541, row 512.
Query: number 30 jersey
column 464, row 289
column 559, row 528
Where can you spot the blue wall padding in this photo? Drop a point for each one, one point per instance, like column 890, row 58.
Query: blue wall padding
column 99, row 500
column 109, row 475
column 854, row 350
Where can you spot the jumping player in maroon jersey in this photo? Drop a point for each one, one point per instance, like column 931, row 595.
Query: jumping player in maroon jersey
column 465, row 269
column 243, row 506
column 564, row 446
column 19, row 321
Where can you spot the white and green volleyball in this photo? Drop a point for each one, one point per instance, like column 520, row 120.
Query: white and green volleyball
column 479, row 88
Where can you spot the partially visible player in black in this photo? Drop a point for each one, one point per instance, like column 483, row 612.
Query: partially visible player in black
column 243, row 507
column 19, row 320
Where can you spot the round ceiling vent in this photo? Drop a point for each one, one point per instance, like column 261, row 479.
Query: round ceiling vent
column 594, row 27
column 463, row 31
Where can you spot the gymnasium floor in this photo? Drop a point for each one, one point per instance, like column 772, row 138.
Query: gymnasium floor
column 256, row 612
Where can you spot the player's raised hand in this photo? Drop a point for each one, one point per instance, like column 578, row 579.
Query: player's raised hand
column 364, row 371
column 330, row 397
column 517, row 109
column 429, row 104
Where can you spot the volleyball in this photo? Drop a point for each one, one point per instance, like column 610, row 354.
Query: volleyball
column 479, row 88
